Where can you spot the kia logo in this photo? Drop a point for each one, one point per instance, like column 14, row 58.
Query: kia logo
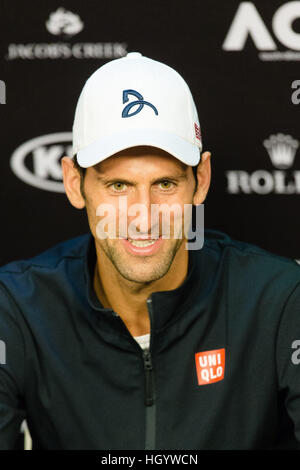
column 45, row 153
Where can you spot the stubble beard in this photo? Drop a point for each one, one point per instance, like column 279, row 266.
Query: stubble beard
column 142, row 270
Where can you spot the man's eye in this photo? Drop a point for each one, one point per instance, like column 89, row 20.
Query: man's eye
column 118, row 186
column 166, row 184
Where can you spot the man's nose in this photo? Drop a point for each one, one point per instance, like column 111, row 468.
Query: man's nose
column 139, row 211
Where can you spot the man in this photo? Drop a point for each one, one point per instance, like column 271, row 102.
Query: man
column 124, row 338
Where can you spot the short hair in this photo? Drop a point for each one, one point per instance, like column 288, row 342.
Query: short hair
column 194, row 168
column 82, row 172
column 79, row 168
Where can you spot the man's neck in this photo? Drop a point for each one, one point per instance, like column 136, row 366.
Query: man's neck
column 127, row 298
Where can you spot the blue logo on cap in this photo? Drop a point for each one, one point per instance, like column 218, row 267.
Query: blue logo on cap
column 139, row 102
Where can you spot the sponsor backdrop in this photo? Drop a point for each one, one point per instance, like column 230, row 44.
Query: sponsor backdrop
column 242, row 62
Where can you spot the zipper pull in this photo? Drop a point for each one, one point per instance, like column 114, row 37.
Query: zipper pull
column 149, row 396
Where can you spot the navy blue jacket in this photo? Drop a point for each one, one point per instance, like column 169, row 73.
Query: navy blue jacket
column 222, row 371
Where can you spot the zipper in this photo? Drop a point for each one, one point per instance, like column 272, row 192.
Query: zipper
column 149, row 395
column 150, row 422
column 150, row 406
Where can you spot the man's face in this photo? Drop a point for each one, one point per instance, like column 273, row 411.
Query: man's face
column 146, row 176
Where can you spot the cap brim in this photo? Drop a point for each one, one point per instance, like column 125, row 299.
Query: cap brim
column 107, row 146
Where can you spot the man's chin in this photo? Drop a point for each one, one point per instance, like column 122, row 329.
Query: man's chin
column 141, row 278
column 144, row 271
column 141, row 269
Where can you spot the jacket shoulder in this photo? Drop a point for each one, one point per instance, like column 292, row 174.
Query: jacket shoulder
column 71, row 248
column 246, row 257
column 220, row 241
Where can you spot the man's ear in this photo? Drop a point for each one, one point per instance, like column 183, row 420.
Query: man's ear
column 71, row 178
column 203, row 179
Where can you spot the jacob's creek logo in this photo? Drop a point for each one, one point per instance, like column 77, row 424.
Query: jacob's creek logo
column 37, row 162
column 282, row 150
column 66, row 24
column 210, row 366
column 248, row 22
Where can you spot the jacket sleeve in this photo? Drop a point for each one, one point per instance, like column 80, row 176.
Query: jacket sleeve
column 12, row 363
column 288, row 357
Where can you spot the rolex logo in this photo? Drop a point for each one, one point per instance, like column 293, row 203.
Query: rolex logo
column 281, row 149
column 283, row 179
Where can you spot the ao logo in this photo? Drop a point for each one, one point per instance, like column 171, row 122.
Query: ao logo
column 45, row 153
column 248, row 21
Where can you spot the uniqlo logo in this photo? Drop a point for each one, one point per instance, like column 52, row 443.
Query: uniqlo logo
column 197, row 131
column 210, row 366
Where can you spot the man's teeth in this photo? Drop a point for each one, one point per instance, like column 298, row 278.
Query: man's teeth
column 141, row 242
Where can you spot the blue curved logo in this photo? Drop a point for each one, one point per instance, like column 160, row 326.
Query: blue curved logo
column 140, row 103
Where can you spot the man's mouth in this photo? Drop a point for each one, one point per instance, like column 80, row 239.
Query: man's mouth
column 142, row 245
column 142, row 241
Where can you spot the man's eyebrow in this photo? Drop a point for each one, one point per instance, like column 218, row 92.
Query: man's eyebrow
column 106, row 179
column 180, row 177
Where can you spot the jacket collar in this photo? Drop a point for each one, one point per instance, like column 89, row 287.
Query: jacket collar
column 89, row 269
column 166, row 305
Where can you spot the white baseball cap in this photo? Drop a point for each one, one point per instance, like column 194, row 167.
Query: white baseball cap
column 135, row 101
